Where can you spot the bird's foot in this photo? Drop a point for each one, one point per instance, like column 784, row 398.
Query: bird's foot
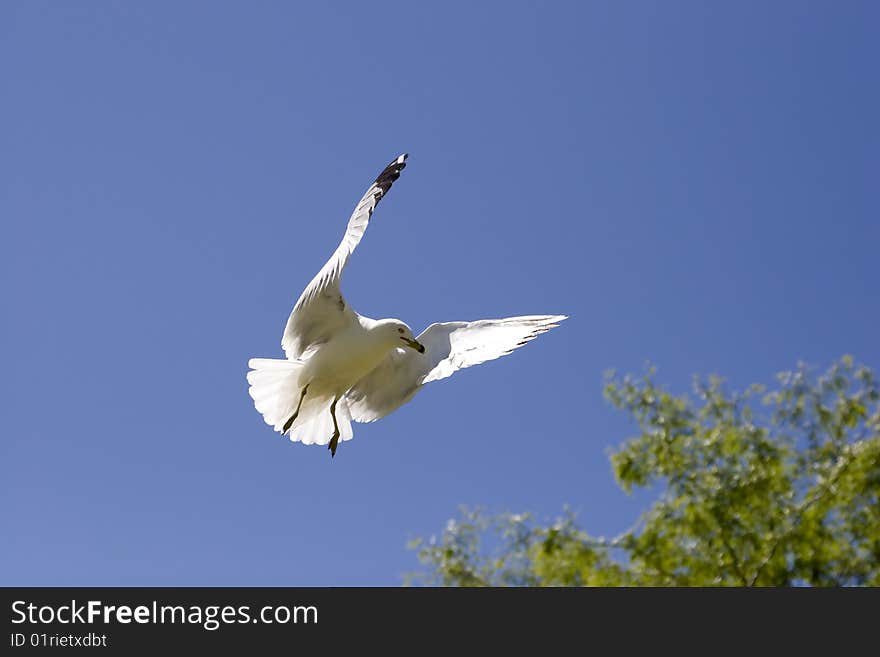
column 289, row 422
column 293, row 417
column 334, row 443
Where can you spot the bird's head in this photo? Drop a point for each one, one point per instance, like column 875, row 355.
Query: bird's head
column 399, row 334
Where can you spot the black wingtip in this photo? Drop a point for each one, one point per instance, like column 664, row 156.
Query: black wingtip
column 391, row 172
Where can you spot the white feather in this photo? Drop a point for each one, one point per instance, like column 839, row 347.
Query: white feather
column 274, row 387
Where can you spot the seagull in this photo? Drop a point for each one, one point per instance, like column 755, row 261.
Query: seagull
column 342, row 367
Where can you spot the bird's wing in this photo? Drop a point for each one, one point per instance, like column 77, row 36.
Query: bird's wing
column 449, row 347
column 321, row 309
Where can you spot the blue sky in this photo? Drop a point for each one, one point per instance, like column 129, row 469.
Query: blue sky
column 695, row 184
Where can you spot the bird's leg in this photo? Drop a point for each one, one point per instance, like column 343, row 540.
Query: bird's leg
column 334, row 441
column 288, row 424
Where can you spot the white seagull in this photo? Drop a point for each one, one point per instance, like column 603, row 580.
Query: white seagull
column 342, row 366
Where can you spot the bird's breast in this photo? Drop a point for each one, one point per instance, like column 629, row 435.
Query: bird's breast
column 341, row 362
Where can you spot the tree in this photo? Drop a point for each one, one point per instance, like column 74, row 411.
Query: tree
column 756, row 488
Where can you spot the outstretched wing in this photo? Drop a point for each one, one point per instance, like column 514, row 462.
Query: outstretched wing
column 321, row 309
column 449, row 347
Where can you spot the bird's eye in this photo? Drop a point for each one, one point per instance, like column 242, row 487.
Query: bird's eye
column 400, row 330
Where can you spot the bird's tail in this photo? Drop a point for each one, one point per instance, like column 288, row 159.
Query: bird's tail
column 314, row 425
column 275, row 388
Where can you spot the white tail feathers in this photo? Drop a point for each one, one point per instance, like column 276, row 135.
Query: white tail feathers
column 314, row 424
column 276, row 388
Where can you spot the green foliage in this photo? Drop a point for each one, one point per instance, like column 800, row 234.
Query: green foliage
column 755, row 488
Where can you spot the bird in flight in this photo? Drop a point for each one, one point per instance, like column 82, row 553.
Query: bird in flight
column 342, row 367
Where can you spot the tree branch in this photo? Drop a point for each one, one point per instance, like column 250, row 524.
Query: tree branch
column 802, row 508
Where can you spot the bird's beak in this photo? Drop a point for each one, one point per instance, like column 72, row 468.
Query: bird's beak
column 418, row 346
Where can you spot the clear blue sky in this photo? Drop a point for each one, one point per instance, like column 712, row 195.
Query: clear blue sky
column 696, row 184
